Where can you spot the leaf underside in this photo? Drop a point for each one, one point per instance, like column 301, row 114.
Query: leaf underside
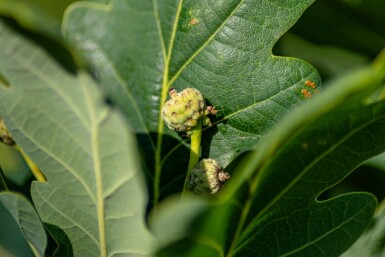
column 83, row 147
column 26, row 217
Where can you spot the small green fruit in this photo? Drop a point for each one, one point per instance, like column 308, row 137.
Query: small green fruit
column 5, row 136
column 185, row 109
column 207, row 177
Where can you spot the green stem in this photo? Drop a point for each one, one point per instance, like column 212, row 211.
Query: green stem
column 196, row 137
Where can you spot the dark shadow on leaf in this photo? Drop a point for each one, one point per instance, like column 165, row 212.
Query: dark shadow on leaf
column 364, row 179
column 184, row 245
column 177, row 248
column 60, row 245
column 174, row 165
column 209, row 132
column 207, row 138
column 232, row 166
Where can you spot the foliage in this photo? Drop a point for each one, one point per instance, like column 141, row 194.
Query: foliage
column 114, row 171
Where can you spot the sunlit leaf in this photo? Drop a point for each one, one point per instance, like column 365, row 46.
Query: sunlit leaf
column 138, row 50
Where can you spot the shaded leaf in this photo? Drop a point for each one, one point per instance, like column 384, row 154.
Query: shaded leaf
column 172, row 219
column 26, row 217
column 139, row 49
column 95, row 193
column 372, row 242
column 272, row 206
column 314, row 149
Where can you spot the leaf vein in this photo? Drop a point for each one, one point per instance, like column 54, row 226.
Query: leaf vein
column 46, row 79
column 340, row 226
column 95, row 134
column 58, row 211
column 171, row 81
column 59, row 161
column 307, row 168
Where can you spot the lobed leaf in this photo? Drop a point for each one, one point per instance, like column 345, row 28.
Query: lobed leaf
column 138, row 50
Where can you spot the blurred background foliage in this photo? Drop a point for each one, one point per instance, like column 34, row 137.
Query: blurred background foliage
column 41, row 16
column 335, row 36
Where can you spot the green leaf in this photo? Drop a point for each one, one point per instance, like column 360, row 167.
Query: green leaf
column 313, row 149
column 26, row 217
column 95, row 192
column 372, row 242
column 172, row 219
column 273, row 206
column 138, row 50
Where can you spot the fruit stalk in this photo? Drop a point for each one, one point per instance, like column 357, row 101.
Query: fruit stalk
column 196, row 137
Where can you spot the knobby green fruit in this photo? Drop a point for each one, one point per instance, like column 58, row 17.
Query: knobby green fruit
column 207, row 178
column 185, row 109
column 5, row 136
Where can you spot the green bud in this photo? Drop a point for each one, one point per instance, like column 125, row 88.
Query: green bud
column 185, row 109
column 207, row 177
